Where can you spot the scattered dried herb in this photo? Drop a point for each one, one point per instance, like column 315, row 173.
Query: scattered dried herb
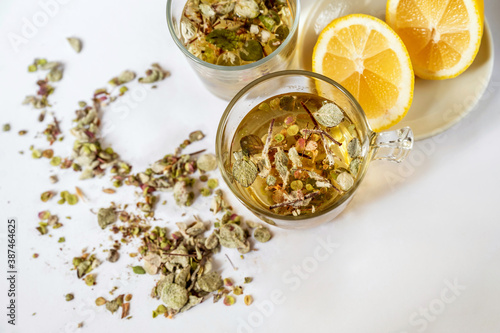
column 75, row 43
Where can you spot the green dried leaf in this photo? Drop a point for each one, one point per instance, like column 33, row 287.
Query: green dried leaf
column 106, row 216
column 55, row 75
column 245, row 172
column 268, row 22
column 354, row 166
column 224, row 39
column 114, row 305
column 329, row 115
column 232, row 236
column 281, row 163
column 126, row 76
column 138, row 270
column 210, row 282
column 282, row 32
column 262, row 234
column 251, row 51
column 174, row 296
column 354, row 148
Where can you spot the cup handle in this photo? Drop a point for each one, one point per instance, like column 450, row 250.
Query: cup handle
column 392, row 146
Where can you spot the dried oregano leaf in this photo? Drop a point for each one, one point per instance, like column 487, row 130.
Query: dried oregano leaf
column 354, row 166
column 262, row 234
column 114, row 305
column 231, row 236
column 281, row 163
column 210, row 282
column 106, row 216
column 329, row 115
column 251, row 144
column 174, row 296
column 75, row 43
column 55, row 75
column 245, row 172
column 222, row 38
column 138, row 270
column 295, row 158
column 251, row 51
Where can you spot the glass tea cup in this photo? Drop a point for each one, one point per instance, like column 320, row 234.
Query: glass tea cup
column 391, row 146
column 226, row 81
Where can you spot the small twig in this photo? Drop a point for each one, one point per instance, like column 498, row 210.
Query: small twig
column 294, row 202
column 198, row 152
column 231, row 262
column 310, row 114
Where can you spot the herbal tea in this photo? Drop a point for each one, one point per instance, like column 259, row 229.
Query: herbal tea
column 234, row 32
column 296, row 154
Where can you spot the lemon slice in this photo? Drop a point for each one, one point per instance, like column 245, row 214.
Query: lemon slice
column 367, row 57
column 442, row 36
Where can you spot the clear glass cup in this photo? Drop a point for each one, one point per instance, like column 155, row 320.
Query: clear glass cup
column 226, row 81
column 391, row 146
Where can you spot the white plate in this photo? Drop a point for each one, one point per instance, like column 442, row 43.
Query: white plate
column 437, row 105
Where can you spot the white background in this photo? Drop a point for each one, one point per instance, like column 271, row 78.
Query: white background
column 412, row 231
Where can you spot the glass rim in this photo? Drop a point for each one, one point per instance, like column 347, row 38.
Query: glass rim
column 225, row 116
column 188, row 54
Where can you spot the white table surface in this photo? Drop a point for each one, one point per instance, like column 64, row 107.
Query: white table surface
column 417, row 250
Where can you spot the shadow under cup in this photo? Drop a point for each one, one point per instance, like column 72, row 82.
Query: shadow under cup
column 393, row 145
column 226, row 81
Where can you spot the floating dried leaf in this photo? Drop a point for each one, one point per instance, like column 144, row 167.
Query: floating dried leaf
column 281, row 163
column 345, row 181
column 329, row 115
column 251, row 144
column 354, row 148
column 245, row 172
